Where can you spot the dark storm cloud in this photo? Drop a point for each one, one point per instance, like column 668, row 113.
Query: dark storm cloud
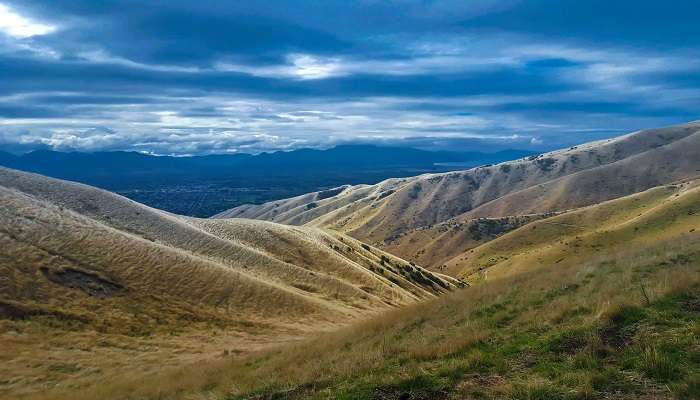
column 213, row 76
column 649, row 24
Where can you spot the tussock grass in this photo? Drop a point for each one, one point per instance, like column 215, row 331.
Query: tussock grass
column 595, row 303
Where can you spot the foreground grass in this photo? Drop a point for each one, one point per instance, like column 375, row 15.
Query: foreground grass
column 632, row 351
column 625, row 324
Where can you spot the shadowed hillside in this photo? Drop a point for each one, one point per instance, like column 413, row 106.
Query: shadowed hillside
column 388, row 213
column 96, row 265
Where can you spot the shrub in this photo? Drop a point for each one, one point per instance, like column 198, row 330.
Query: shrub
column 546, row 164
column 415, row 190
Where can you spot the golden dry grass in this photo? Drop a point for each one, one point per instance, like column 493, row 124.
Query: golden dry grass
column 633, row 221
column 435, row 245
column 426, row 338
column 80, row 267
column 509, row 314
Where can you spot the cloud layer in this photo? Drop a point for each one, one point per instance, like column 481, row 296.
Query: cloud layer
column 182, row 77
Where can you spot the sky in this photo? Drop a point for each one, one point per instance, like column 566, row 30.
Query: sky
column 201, row 77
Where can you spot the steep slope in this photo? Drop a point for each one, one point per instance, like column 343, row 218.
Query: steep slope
column 434, row 245
column 596, row 303
column 385, row 213
column 79, row 259
column 658, row 215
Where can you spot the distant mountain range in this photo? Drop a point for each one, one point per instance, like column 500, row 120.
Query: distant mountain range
column 205, row 185
column 100, row 166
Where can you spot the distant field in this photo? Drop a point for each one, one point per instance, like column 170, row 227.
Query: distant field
column 201, row 186
column 203, row 199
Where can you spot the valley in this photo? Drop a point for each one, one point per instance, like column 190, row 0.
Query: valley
column 112, row 274
column 573, row 274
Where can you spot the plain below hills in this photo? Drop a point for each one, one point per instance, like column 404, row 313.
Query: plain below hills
column 204, row 185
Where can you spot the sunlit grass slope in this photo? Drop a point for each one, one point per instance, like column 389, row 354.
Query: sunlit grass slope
column 658, row 215
column 601, row 302
column 80, row 265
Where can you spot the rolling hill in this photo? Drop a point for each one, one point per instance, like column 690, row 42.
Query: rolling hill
column 601, row 302
column 665, row 214
column 95, row 266
column 397, row 213
column 583, row 267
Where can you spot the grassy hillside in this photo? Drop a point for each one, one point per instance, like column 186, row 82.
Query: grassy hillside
column 637, row 221
column 617, row 318
column 100, row 281
column 389, row 213
column 569, row 297
column 434, row 245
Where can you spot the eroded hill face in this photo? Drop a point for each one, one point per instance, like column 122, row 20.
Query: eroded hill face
column 395, row 213
column 95, row 266
column 667, row 214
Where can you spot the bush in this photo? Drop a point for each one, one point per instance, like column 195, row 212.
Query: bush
column 546, row 164
column 415, row 191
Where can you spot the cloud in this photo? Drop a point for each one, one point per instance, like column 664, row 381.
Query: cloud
column 219, row 76
column 297, row 66
column 20, row 27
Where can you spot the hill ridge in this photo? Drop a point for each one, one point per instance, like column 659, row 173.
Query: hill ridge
column 555, row 181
